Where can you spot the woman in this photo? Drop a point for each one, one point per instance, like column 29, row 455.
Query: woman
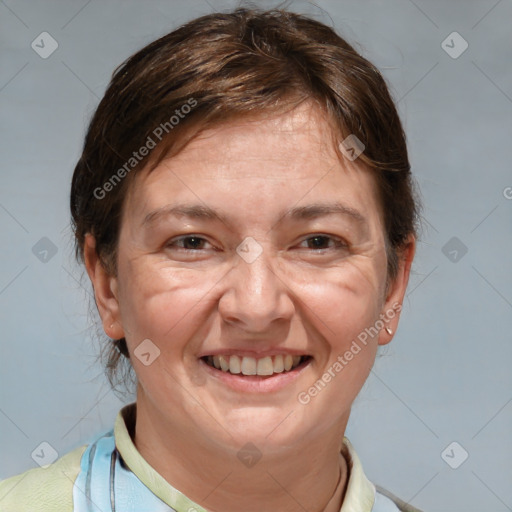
column 244, row 209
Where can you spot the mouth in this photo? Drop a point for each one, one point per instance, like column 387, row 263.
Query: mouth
column 268, row 366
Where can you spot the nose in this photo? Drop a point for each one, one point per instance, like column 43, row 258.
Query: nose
column 256, row 295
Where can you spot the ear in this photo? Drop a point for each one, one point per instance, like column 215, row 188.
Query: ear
column 392, row 307
column 105, row 290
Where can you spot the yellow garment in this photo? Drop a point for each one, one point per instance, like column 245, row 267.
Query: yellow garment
column 43, row 489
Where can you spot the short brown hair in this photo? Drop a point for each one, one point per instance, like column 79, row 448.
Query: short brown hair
column 224, row 66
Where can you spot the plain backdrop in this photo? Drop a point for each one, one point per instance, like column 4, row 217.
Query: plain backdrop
column 446, row 376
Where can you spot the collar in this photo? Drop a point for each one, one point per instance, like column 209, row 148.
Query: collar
column 359, row 496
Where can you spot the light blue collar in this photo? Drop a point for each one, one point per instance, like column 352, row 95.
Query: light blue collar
column 106, row 484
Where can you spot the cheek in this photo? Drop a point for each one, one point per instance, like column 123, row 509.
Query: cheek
column 343, row 308
column 343, row 311
column 161, row 304
column 346, row 299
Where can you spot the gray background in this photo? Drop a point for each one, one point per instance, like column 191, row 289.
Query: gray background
column 445, row 377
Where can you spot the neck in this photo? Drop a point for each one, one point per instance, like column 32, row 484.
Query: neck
column 301, row 477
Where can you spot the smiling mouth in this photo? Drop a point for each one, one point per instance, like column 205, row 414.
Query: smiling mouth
column 265, row 366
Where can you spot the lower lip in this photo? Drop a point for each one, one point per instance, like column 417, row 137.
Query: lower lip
column 256, row 383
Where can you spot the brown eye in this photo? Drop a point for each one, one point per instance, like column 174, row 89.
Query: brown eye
column 188, row 243
column 321, row 242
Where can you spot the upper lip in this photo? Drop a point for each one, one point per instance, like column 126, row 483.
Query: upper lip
column 253, row 353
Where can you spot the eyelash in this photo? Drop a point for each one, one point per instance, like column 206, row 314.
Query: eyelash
column 339, row 243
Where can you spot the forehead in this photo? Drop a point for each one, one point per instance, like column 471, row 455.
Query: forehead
column 265, row 140
column 276, row 159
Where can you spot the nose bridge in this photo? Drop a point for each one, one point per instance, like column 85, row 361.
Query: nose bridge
column 258, row 277
column 256, row 280
column 256, row 294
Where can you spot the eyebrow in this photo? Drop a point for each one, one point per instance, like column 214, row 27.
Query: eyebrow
column 308, row 212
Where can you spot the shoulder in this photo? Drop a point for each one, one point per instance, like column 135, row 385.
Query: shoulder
column 44, row 489
column 385, row 501
column 362, row 494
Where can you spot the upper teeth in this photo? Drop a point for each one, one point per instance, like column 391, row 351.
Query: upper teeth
column 252, row 366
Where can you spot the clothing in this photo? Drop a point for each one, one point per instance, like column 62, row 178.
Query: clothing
column 110, row 475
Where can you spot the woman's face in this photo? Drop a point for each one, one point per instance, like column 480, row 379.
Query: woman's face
column 252, row 245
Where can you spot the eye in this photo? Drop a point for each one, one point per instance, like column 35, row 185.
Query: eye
column 318, row 242
column 188, row 243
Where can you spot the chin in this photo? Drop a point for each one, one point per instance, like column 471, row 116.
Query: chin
column 264, row 426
